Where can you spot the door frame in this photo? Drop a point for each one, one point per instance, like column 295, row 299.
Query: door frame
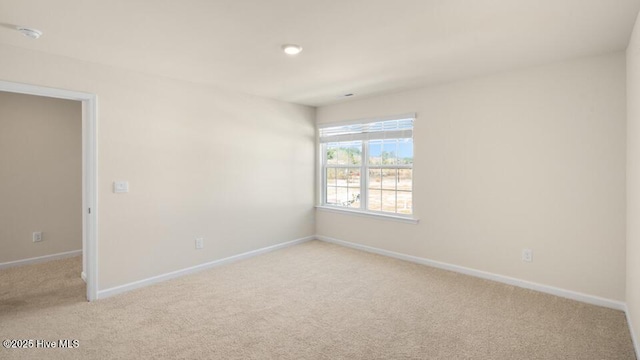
column 89, row 173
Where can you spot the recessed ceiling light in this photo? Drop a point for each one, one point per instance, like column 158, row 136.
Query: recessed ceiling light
column 28, row 32
column 291, row 49
column 347, row 95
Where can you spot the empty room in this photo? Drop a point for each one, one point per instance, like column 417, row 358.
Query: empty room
column 297, row 179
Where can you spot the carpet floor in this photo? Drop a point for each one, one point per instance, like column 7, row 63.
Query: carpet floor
column 310, row 301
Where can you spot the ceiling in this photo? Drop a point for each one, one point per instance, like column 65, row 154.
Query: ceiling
column 365, row 47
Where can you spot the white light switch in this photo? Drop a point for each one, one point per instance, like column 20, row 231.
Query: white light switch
column 120, row 186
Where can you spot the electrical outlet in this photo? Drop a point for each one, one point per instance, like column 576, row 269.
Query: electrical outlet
column 199, row 243
column 527, row 255
column 37, row 236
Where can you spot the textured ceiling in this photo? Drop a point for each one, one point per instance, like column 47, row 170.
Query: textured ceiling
column 364, row 47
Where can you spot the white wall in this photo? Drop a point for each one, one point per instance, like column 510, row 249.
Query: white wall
column 235, row 169
column 526, row 159
column 40, row 176
column 633, row 180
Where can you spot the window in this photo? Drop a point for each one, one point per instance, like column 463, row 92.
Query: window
column 368, row 165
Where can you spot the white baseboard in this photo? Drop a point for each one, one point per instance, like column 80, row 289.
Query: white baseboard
column 589, row 299
column 633, row 333
column 190, row 270
column 83, row 276
column 40, row 259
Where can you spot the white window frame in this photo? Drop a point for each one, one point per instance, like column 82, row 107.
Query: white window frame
column 364, row 168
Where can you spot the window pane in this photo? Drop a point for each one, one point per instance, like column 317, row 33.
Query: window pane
column 331, row 195
column 349, row 153
column 389, row 179
column 374, row 200
column 353, row 194
column 354, row 178
column 405, row 204
column 405, row 151
column 375, row 152
column 331, row 177
column 354, row 153
column 331, row 154
column 389, row 201
column 405, row 179
column 341, row 156
column 341, row 177
column 343, row 197
column 389, row 151
column 375, row 179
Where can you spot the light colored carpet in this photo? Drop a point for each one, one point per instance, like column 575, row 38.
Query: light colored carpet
column 310, row 301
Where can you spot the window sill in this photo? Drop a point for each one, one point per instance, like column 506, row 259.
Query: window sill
column 403, row 219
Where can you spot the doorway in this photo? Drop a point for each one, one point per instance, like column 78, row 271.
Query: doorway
column 89, row 173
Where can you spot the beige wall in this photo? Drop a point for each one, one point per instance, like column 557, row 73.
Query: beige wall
column 235, row 169
column 633, row 180
column 40, row 176
column 528, row 159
